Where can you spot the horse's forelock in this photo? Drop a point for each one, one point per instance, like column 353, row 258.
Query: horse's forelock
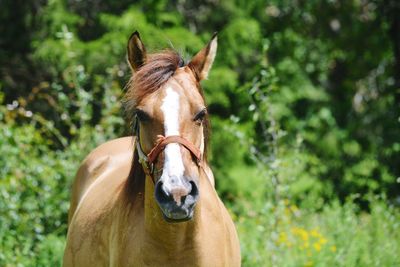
column 151, row 76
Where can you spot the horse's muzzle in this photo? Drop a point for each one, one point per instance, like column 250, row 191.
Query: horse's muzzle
column 178, row 205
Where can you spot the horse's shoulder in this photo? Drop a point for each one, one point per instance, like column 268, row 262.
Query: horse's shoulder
column 105, row 158
column 112, row 147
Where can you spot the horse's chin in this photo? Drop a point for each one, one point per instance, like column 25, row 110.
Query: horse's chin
column 177, row 219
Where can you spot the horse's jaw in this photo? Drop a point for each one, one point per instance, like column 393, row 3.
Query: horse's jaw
column 173, row 220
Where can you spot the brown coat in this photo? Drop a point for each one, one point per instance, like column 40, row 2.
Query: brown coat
column 106, row 229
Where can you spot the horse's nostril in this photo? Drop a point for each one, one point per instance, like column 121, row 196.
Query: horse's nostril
column 160, row 194
column 194, row 192
column 178, row 196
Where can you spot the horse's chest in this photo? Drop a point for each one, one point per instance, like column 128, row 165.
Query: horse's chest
column 142, row 253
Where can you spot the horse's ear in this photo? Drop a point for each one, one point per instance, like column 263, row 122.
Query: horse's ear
column 201, row 63
column 136, row 51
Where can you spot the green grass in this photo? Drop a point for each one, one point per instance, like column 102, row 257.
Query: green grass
column 339, row 235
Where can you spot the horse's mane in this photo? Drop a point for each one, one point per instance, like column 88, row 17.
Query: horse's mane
column 150, row 77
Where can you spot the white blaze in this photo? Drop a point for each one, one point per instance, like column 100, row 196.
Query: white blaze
column 172, row 176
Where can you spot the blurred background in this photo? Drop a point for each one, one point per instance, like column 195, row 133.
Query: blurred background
column 304, row 101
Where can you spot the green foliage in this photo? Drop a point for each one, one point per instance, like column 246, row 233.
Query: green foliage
column 34, row 191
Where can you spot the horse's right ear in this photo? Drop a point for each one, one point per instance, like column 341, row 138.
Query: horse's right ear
column 201, row 63
column 136, row 51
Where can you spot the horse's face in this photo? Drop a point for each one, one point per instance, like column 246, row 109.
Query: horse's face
column 177, row 108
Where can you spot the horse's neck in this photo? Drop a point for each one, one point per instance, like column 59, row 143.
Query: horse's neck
column 166, row 234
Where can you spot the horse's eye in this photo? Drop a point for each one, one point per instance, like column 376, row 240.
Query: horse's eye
column 143, row 116
column 199, row 117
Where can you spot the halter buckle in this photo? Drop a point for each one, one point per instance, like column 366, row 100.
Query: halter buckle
column 148, row 167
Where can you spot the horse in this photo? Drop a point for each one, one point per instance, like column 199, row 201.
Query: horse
column 149, row 199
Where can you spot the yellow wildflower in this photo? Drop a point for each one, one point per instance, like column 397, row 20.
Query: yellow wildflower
column 323, row 240
column 317, row 246
column 304, row 235
column 294, row 208
column 315, row 233
column 282, row 238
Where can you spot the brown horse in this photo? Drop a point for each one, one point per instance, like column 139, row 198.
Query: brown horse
column 150, row 200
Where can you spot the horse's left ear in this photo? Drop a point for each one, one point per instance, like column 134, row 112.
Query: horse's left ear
column 201, row 63
column 136, row 51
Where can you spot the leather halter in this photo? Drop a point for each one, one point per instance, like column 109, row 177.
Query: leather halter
column 147, row 160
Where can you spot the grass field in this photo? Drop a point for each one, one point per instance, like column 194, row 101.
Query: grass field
column 339, row 235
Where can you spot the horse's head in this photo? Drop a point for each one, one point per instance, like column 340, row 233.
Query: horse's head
column 171, row 120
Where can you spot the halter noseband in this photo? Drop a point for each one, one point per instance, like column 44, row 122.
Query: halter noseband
column 147, row 161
